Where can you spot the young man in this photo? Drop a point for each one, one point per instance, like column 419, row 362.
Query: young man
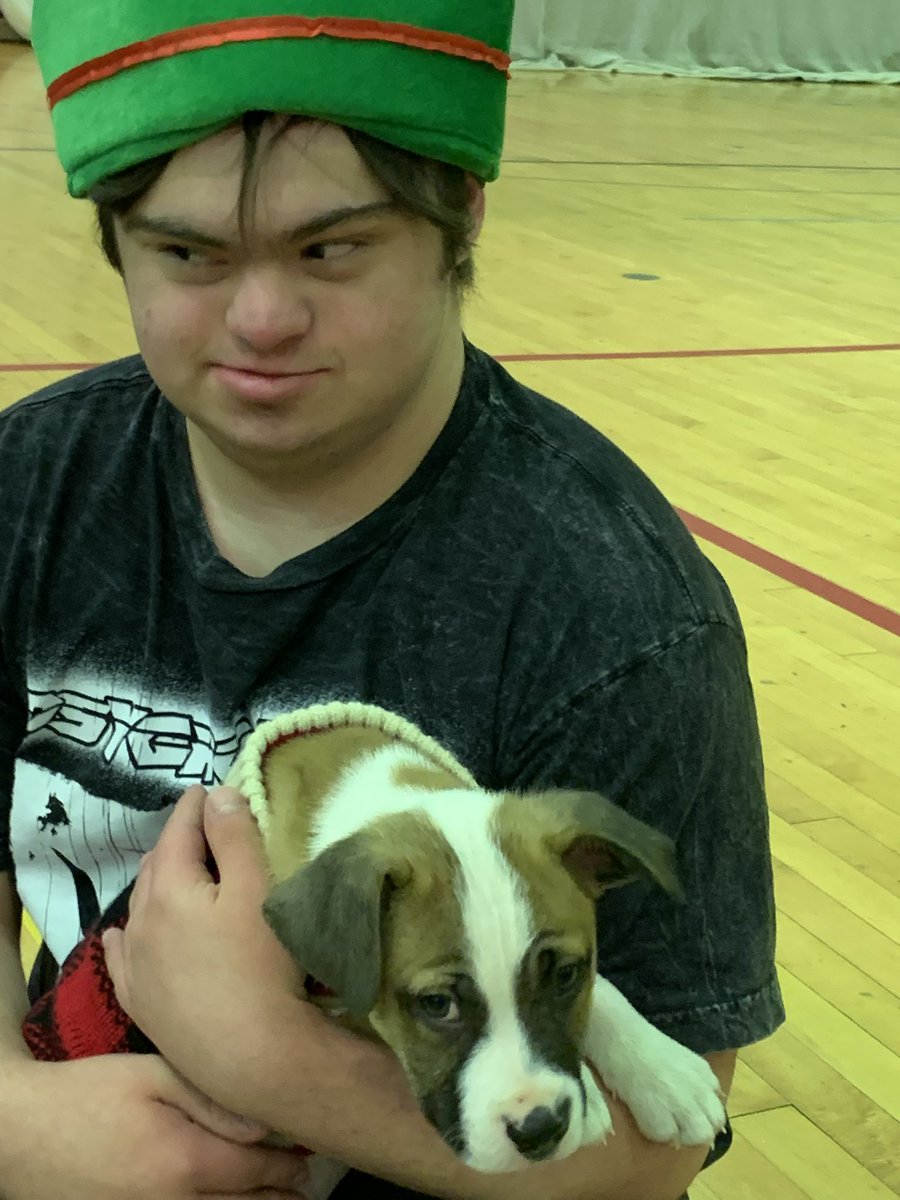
column 309, row 487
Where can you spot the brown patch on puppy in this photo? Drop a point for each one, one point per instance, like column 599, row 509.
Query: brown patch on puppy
column 527, row 830
column 375, row 917
column 600, row 844
column 297, row 775
column 567, row 848
column 424, row 947
column 427, row 778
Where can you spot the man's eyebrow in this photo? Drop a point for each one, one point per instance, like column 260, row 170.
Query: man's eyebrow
column 182, row 231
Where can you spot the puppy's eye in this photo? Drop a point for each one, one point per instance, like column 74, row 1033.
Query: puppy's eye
column 546, row 961
column 438, row 1006
column 568, row 976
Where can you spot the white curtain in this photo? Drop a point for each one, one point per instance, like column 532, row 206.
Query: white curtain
column 18, row 14
column 829, row 40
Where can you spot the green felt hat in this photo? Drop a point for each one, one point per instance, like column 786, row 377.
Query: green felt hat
column 130, row 79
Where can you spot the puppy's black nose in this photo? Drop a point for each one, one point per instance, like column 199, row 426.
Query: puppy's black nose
column 541, row 1131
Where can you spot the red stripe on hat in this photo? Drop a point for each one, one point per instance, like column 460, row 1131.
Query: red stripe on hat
column 258, row 29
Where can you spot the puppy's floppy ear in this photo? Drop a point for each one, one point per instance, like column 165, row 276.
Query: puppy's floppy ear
column 602, row 846
column 328, row 914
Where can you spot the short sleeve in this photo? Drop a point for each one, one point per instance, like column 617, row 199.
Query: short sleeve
column 674, row 739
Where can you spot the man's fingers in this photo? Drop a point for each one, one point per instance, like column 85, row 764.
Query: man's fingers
column 181, row 845
column 141, row 885
column 232, row 1169
column 236, row 842
column 114, row 953
column 175, row 1090
column 221, row 1165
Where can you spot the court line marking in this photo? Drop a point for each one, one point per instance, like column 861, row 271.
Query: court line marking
column 851, row 602
column 736, row 352
column 602, row 356
column 80, row 366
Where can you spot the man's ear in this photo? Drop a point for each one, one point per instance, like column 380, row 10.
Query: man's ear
column 328, row 914
column 602, row 846
column 477, row 204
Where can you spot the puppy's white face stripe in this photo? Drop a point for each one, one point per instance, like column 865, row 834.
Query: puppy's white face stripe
column 499, row 929
column 502, row 1079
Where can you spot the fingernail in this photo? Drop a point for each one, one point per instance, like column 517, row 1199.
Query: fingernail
column 226, row 800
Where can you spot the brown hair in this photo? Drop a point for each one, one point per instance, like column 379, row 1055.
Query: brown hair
column 420, row 187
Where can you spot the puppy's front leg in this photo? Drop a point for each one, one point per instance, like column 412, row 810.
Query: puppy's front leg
column 672, row 1092
column 597, row 1117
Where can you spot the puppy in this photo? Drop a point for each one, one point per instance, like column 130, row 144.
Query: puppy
column 457, row 925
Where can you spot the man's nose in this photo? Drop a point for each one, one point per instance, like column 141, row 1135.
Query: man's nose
column 267, row 311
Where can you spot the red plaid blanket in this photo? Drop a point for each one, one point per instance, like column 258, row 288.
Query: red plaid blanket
column 80, row 1017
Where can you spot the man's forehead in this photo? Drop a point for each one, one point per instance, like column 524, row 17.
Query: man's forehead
column 301, row 172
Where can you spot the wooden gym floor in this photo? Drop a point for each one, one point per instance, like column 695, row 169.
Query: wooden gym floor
column 767, row 217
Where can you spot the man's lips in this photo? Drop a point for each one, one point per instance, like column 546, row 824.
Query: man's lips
column 265, row 385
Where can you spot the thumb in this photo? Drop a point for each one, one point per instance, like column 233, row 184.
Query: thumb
column 225, row 800
column 173, row 1089
column 233, row 835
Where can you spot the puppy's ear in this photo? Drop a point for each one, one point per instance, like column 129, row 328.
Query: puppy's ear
column 602, row 846
column 328, row 914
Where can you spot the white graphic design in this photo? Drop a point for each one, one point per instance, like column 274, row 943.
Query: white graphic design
column 74, row 850
column 126, row 733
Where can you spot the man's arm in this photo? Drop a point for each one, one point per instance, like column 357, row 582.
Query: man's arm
column 381, row 1131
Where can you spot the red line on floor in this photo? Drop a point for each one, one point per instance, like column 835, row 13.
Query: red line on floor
column 47, row 366
column 748, row 352
column 851, row 602
column 602, row 356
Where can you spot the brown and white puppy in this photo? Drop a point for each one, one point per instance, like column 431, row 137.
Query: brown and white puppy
column 458, row 926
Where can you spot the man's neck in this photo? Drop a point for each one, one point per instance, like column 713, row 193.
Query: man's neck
column 262, row 515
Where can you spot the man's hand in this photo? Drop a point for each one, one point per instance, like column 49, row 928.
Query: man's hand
column 197, row 967
column 126, row 1125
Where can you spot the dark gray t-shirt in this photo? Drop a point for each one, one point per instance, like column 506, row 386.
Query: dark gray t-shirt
column 528, row 598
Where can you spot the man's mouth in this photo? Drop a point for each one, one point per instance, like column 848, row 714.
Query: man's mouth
column 258, row 384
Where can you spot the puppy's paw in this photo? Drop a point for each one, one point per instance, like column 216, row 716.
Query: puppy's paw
column 672, row 1092
column 597, row 1117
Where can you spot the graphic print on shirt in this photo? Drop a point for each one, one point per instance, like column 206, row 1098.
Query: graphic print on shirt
column 97, row 774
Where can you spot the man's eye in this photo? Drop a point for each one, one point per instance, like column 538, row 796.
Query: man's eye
column 185, row 254
column 324, row 251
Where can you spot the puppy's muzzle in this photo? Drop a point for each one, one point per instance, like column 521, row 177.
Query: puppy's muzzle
column 538, row 1135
